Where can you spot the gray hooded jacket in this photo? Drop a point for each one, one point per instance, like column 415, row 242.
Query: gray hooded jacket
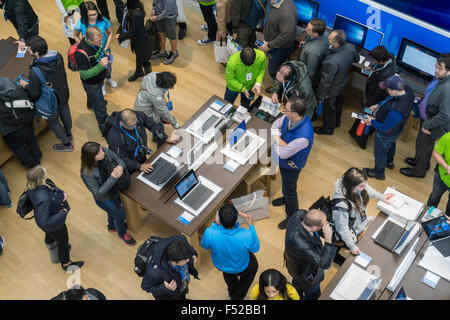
column 150, row 100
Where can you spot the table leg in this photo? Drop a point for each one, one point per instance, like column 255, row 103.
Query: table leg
column 132, row 212
column 194, row 241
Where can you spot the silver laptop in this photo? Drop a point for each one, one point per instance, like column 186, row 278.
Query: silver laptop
column 192, row 192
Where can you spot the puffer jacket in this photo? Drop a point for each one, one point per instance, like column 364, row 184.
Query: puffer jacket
column 341, row 216
column 300, row 85
column 22, row 16
column 48, row 212
column 305, row 256
column 150, row 100
column 159, row 270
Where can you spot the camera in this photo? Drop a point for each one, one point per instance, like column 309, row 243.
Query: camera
column 251, row 95
column 144, row 150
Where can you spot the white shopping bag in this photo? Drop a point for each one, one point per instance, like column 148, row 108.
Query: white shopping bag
column 256, row 204
column 221, row 53
column 232, row 46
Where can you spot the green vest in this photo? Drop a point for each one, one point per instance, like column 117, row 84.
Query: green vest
column 71, row 5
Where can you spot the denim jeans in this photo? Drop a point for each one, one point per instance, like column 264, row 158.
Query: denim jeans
column 289, row 180
column 231, row 96
column 383, row 151
column 62, row 132
column 277, row 57
column 5, row 200
column 307, row 294
column 96, row 102
column 210, row 19
column 439, row 188
column 116, row 215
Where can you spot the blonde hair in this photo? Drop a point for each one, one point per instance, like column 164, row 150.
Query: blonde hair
column 35, row 177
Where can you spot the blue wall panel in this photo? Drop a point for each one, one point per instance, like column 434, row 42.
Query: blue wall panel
column 393, row 27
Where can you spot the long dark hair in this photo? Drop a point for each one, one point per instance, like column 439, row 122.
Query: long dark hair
column 88, row 152
column 352, row 178
column 273, row 278
column 133, row 5
column 89, row 5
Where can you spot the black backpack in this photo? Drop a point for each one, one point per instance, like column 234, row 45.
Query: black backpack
column 16, row 107
column 326, row 205
column 144, row 255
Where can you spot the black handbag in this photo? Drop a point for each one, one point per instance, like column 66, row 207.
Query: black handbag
column 24, row 206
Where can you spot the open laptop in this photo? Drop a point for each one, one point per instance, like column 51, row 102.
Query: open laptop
column 240, row 141
column 191, row 192
column 438, row 231
column 393, row 235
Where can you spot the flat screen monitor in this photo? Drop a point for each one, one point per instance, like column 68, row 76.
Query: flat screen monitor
column 306, row 10
column 358, row 34
column 417, row 59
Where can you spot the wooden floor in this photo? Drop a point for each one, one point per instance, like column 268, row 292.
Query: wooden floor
column 26, row 270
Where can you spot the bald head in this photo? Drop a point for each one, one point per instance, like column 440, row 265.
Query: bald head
column 128, row 118
column 315, row 218
column 94, row 35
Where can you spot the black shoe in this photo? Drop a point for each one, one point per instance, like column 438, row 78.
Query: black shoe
column 282, row 225
column 73, row 265
column 322, row 130
column 390, row 166
column 338, row 259
column 279, row 202
column 372, row 174
column 410, row 162
column 137, row 74
column 409, row 173
column 182, row 33
column 147, row 69
column 337, row 124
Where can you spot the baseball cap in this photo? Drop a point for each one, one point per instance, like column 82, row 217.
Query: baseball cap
column 394, row 82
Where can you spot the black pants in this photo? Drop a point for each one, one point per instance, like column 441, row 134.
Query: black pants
column 332, row 111
column 239, row 283
column 24, row 145
column 424, row 150
column 62, row 238
column 210, row 19
column 103, row 7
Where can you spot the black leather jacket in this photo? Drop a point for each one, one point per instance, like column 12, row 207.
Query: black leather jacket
column 305, row 256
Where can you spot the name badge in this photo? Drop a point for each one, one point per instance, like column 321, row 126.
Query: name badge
column 248, row 77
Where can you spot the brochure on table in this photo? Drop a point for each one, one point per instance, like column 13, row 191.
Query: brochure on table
column 240, row 157
column 403, row 208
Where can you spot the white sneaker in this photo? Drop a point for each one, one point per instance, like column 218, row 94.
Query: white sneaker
column 104, row 89
column 204, row 27
column 204, row 41
column 2, row 242
column 112, row 83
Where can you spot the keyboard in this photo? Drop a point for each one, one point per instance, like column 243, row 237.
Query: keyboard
column 198, row 196
column 208, row 123
column 162, row 172
column 390, row 235
column 415, row 86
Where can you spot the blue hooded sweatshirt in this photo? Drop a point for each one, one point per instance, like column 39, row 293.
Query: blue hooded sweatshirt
column 230, row 247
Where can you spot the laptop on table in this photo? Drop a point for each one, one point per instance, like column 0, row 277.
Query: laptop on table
column 393, row 235
column 194, row 194
column 438, row 232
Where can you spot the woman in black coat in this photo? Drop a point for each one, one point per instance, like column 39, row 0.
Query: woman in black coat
column 133, row 28
column 50, row 212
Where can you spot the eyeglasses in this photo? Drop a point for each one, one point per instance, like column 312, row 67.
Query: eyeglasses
column 93, row 15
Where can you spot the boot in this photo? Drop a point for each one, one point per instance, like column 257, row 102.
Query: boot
column 147, row 69
column 137, row 74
